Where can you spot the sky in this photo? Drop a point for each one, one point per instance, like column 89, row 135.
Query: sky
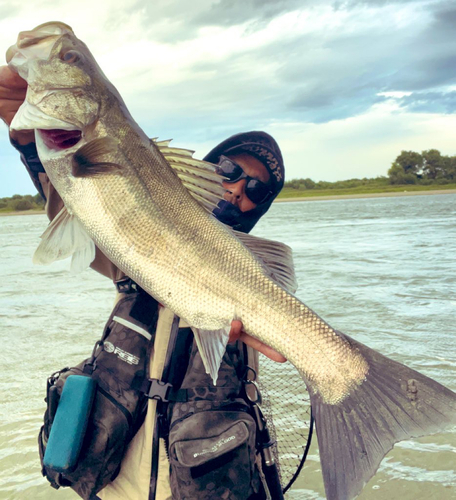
column 342, row 86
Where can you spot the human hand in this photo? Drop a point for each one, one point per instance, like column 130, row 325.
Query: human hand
column 12, row 94
column 237, row 333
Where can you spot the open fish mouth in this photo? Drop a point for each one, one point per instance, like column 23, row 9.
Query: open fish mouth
column 58, row 139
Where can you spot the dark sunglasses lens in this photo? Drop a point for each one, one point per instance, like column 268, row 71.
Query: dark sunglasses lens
column 230, row 170
column 257, row 191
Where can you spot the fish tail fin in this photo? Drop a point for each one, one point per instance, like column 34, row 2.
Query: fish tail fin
column 392, row 404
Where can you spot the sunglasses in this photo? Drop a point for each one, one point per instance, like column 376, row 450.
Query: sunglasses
column 256, row 190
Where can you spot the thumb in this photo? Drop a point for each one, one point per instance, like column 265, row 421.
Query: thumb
column 10, row 79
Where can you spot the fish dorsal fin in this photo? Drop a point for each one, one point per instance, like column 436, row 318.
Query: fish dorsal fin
column 277, row 258
column 65, row 237
column 198, row 176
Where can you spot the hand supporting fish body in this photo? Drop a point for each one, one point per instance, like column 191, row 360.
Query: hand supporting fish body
column 147, row 207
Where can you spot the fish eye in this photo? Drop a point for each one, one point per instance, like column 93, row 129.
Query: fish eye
column 71, row 56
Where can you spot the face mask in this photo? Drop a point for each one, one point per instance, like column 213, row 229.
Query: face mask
column 240, row 221
column 228, row 214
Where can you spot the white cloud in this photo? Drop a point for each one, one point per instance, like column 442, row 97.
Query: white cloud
column 361, row 146
column 185, row 73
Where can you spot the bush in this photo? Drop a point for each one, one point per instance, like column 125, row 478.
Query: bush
column 21, row 205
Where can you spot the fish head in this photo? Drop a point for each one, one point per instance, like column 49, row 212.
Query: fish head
column 67, row 91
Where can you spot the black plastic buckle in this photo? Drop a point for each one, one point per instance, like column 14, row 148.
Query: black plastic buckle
column 159, row 390
column 126, row 285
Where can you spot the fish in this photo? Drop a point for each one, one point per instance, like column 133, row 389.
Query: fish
column 147, row 206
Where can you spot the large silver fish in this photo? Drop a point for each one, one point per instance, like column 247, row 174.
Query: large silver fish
column 147, row 207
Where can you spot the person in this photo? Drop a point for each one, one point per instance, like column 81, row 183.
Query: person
column 254, row 175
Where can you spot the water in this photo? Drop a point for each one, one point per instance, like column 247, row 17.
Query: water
column 381, row 270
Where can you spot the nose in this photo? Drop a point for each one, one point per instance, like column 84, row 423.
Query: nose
column 234, row 191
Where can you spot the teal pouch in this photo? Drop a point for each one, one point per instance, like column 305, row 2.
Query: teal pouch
column 70, row 423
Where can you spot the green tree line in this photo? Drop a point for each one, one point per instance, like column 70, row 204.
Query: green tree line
column 304, row 184
column 20, row 203
column 427, row 168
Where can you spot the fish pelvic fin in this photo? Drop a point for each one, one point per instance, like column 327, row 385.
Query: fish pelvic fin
column 65, row 237
column 212, row 347
column 392, row 404
column 90, row 160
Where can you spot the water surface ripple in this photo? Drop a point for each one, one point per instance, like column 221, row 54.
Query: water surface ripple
column 381, row 270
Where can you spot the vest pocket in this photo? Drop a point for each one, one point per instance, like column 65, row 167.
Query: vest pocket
column 212, row 455
column 102, row 449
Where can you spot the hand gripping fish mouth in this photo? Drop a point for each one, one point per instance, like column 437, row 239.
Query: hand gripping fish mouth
column 148, row 208
column 33, row 50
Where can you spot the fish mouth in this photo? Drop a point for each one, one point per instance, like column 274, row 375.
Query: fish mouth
column 58, row 139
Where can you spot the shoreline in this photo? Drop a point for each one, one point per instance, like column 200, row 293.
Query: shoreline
column 304, row 198
column 366, row 195
column 25, row 212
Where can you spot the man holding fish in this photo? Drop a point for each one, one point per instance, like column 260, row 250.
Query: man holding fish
column 148, row 208
column 252, row 181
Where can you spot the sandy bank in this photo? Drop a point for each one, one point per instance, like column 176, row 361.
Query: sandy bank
column 25, row 212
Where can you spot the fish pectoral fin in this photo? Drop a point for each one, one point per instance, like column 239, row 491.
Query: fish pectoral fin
column 212, row 346
column 277, row 258
column 198, row 176
column 65, row 237
column 393, row 403
column 93, row 158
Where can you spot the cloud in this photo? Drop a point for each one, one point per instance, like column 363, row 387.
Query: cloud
column 435, row 102
column 361, row 146
column 314, row 65
column 203, row 70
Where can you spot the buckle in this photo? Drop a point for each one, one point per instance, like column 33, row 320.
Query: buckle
column 159, row 390
column 126, row 285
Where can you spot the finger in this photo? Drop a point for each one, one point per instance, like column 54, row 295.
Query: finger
column 11, row 79
column 9, row 94
column 8, row 109
column 235, row 332
column 23, row 137
column 263, row 348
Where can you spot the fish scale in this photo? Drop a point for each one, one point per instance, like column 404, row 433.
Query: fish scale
column 121, row 193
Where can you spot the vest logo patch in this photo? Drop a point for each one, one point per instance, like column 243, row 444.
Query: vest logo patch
column 214, row 448
column 121, row 354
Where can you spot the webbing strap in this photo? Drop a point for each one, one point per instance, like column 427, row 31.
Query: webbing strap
column 161, row 408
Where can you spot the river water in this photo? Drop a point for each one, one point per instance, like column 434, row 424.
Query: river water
column 382, row 270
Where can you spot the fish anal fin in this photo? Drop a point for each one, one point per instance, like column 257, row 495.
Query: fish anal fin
column 392, row 404
column 212, row 345
column 90, row 159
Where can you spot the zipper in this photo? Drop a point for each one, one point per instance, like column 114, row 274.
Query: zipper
column 118, row 405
